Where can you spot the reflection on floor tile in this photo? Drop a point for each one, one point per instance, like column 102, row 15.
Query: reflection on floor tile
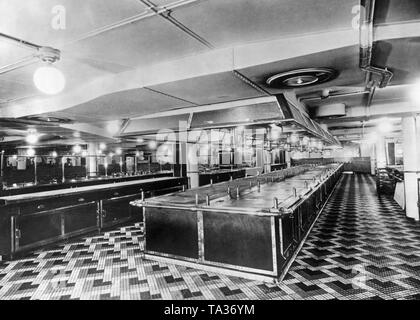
column 362, row 247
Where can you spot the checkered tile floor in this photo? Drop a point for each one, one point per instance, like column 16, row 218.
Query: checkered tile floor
column 362, row 247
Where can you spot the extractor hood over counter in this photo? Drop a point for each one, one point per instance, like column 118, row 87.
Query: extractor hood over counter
column 258, row 112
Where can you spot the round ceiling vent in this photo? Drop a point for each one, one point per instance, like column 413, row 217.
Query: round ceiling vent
column 49, row 119
column 301, row 78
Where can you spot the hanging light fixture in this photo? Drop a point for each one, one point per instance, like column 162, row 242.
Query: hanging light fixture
column 30, row 152
column 385, row 126
column 77, row 149
column 32, row 137
column 294, row 139
column 113, row 127
column 305, row 141
column 152, row 144
column 47, row 78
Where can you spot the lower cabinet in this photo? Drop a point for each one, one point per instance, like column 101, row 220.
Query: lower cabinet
column 28, row 225
column 34, row 230
column 118, row 210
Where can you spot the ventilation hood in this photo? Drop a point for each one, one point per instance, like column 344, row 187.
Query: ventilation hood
column 249, row 112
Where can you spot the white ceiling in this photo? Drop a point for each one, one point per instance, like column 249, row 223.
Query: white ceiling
column 152, row 65
column 124, row 104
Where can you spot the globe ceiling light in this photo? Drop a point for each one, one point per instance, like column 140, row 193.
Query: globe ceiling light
column 305, row 141
column 320, row 145
column 102, row 146
column 54, row 154
column 152, row 144
column 294, row 138
column 415, row 93
column 113, row 127
column 118, row 151
column 313, row 143
column 371, row 138
column 49, row 80
column 77, row 149
column 30, row 152
column 32, row 138
column 385, row 126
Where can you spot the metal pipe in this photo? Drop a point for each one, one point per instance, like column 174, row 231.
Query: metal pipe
column 2, row 164
column 63, row 179
column 276, row 203
column 133, row 19
column 237, row 192
column 366, row 32
column 207, row 200
column 35, row 171
column 196, row 199
column 18, row 64
column 366, row 49
column 166, row 14
column 335, row 95
column 20, row 41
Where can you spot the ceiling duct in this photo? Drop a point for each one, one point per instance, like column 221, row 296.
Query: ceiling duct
column 375, row 77
column 146, row 126
column 334, row 110
column 250, row 112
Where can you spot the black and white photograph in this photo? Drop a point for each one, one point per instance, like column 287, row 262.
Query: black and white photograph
column 231, row 151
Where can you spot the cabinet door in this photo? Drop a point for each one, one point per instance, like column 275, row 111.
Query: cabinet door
column 37, row 229
column 119, row 210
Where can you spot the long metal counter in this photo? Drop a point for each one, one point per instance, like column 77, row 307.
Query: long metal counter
column 217, row 176
column 249, row 227
column 28, row 221
column 75, row 183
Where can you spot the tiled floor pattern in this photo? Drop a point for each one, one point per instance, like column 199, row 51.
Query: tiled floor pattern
column 362, row 247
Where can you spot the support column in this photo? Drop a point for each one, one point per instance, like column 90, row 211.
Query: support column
column 380, row 153
column 91, row 161
column 192, row 164
column 288, row 157
column 411, row 152
column 372, row 160
column 1, row 166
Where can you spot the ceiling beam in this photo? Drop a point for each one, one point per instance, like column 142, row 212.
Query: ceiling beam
column 204, row 64
column 88, row 128
column 210, row 62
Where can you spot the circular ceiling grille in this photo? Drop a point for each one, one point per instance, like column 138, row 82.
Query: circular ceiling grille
column 301, row 78
column 48, row 119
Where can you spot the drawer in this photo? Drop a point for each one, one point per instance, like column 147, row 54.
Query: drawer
column 55, row 203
